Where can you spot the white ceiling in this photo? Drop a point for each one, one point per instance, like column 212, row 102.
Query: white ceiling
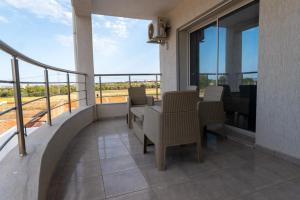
column 141, row 9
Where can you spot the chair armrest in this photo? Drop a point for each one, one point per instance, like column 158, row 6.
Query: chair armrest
column 151, row 124
column 210, row 112
column 150, row 100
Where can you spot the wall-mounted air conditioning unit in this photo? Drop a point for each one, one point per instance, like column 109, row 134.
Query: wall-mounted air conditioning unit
column 158, row 31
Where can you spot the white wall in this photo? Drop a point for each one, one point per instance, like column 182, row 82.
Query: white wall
column 278, row 110
column 183, row 13
column 83, row 44
column 28, row 178
column 111, row 110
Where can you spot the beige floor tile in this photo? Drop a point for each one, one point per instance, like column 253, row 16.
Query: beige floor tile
column 112, row 152
column 140, row 195
column 106, row 142
column 81, row 170
column 124, row 182
column 83, row 189
column 172, row 175
column 183, row 191
column 117, row 164
column 108, row 148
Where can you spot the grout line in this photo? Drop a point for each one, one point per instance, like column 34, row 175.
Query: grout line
column 135, row 191
column 148, row 186
column 101, row 168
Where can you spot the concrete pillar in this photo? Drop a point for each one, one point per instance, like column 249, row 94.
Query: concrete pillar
column 83, row 44
column 233, row 57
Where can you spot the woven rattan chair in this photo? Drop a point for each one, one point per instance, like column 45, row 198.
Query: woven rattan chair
column 213, row 93
column 174, row 123
column 211, row 110
column 137, row 97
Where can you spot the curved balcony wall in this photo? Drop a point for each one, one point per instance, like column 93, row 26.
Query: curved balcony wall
column 28, row 177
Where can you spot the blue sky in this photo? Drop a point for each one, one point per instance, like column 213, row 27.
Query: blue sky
column 208, row 53
column 42, row 29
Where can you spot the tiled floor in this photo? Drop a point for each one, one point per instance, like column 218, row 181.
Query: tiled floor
column 106, row 162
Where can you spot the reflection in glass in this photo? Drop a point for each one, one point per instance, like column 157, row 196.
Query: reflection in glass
column 226, row 53
column 238, row 58
column 204, row 59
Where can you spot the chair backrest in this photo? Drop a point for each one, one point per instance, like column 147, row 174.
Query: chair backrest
column 210, row 113
column 137, row 95
column 192, row 87
column 180, row 124
column 213, row 93
column 179, row 101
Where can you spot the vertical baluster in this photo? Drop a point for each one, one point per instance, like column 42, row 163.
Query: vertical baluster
column 129, row 79
column 85, row 88
column 69, row 93
column 100, row 88
column 47, row 93
column 207, row 80
column 156, row 85
column 18, row 104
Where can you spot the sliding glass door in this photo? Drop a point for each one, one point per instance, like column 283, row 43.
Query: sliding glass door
column 204, row 42
column 225, row 53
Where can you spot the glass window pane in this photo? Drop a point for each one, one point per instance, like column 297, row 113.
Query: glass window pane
column 204, row 59
column 227, row 53
column 238, row 60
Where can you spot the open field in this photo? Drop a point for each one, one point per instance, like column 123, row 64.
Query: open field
column 120, row 96
column 8, row 121
column 30, row 111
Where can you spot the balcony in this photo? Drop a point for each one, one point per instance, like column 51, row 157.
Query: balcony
column 113, row 88
column 78, row 157
column 71, row 140
column 106, row 161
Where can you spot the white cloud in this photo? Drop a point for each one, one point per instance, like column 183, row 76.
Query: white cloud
column 103, row 46
column 118, row 26
column 3, row 20
column 65, row 40
column 54, row 10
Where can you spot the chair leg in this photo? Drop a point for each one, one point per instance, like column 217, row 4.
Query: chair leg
column 160, row 152
column 204, row 137
column 129, row 120
column 199, row 152
column 145, row 143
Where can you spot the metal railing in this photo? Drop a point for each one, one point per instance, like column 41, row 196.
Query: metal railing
column 17, row 83
column 112, row 88
column 221, row 78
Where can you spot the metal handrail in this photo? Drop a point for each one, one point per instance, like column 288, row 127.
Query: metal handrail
column 32, row 101
column 212, row 74
column 60, row 105
column 7, row 140
column 8, row 49
column 4, row 81
column 129, row 81
column 78, row 91
column 23, row 104
column 251, row 72
column 16, row 56
column 7, row 110
column 239, row 74
column 146, row 74
column 32, row 82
